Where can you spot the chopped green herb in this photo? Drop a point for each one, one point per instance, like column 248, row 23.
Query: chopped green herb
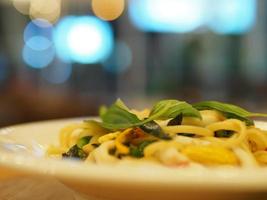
column 186, row 134
column 135, row 152
column 138, row 151
column 95, row 145
column 112, row 151
column 83, row 141
column 75, row 152
column 154, row 129
column 223, row 133
column 176, row 121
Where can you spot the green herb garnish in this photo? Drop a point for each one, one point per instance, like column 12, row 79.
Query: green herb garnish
column 138, row 151
column 223, row 133
column 229, row 110
column 176, row 121
column 83, row 141
column 186, row 134
column 154, row 129
column 102, row 111
column 167, row 109
column 75, row 152
column 118, row 116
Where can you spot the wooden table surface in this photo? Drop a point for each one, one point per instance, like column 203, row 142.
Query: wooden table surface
column 30, row 188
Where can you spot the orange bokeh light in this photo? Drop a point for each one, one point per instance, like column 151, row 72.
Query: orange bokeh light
column 108, row 9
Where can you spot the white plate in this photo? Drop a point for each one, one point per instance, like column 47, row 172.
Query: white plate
column 22, row 152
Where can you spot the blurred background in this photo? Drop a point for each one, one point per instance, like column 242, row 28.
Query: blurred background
column 64, row 58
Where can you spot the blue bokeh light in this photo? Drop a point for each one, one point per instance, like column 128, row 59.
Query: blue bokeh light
column 182, row 16
column 233, row 17
column 120, row 59
column 179, row 16
column 84, row 39
column 38, row 59
column 39, row 43
column 38, row 34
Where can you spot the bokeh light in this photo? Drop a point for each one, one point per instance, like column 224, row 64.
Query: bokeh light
column 182, row 16
column 60, row 36
column 38, row 51
column 23, row 6
column 40, row 27
column 45, row 9
column 84, row 39
column 57, row 73
column 38, row 43
column 38, row 59
column 108, row 9
column 167, row 16
column 233, row 17
column 120, row 59
column 79, row 42
column 38, row 34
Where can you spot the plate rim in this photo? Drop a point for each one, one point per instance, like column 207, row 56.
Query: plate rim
column 232, row 179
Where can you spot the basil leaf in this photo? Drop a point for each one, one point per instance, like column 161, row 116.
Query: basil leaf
column 167, row 109
column 154, row 129
column 118, row 118
column 118, row 115
column 102, row 110
column 121, row 104
column 226, row 108
column 229, row 110
column 249, row 122
column 96, row 126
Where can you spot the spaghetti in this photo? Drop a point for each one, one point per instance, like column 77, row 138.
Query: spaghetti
column 172, row 133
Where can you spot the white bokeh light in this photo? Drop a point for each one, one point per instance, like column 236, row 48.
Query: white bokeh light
column 84, row 39
column 167, row 15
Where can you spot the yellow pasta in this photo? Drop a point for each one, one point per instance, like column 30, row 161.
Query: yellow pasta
column 120, row 140
column 261, row 157
column 188, row 129
column 210, row 155
column 210, row 139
